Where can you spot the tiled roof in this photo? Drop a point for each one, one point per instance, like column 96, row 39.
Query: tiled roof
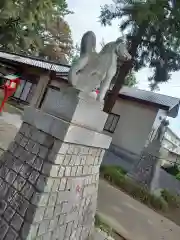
column 152, row 97
column 36, row 62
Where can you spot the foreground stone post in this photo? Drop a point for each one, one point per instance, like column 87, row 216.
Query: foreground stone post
column 49, row 175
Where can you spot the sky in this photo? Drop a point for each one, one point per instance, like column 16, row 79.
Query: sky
column 86, row 17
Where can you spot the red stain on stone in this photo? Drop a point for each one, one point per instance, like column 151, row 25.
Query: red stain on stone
column 78, row 189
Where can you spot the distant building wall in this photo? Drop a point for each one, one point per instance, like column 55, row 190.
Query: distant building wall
column 134, row 125
column 119, row 157
column 170, row 151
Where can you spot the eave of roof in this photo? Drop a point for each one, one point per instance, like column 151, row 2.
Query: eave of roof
column 144, row 102
column 168, row 103
column 34, row 62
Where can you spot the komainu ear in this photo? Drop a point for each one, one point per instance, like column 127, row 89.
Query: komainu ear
column 88, row 43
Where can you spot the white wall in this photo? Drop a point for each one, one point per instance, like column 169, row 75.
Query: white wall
column 134, row 125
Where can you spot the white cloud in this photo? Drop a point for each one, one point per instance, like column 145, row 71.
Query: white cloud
column 86, row 17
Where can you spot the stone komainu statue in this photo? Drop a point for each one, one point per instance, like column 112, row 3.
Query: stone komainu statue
column 94, row 69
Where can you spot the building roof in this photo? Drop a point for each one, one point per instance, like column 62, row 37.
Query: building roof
column 35, row 62
column 171, row 104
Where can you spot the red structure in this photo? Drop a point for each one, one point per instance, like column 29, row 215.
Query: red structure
column 10, row 86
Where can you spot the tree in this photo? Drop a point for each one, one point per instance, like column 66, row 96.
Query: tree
column 57, row 40
column 75, row 54
column 22, row 23
column 130, row 80
column 151, row 29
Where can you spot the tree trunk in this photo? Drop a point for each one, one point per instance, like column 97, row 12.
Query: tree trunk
column 123, row 70
column 120, row 79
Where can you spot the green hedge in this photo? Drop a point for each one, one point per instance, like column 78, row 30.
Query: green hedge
column 113, row 174
column 172, row 200
column 178, row 176
column 99, row 223
column 118, row 177
column 167, row 204
column 173, row 170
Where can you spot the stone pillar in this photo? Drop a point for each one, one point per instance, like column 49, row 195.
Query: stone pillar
column 49, row 175
column 145, row 169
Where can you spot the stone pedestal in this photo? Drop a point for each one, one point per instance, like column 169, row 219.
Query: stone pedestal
column 144, row 171
column 49, row 175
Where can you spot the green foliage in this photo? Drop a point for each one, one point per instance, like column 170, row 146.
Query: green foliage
column 173, row 170
column 112, row 174
column 158, row 203
column 130, row 80
column 25, row 25
column 118, row 177
column 178, row 176
column 152, row 32
column 57, row 40
column 172, row 200
column 167, row 203
column 99, row 223
column 75, row 54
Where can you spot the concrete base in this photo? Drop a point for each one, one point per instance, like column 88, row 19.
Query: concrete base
column 76, row 107
column 65, row 130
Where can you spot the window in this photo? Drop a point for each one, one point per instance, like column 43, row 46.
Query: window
column 111, row 122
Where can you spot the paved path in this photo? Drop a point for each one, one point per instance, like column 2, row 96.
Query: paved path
column 132, row 219
column 9, row 125
column 13, row 119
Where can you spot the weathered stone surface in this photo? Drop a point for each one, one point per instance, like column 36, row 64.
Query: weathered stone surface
column 66, row 131
column 48, row 188
column 144, row 171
